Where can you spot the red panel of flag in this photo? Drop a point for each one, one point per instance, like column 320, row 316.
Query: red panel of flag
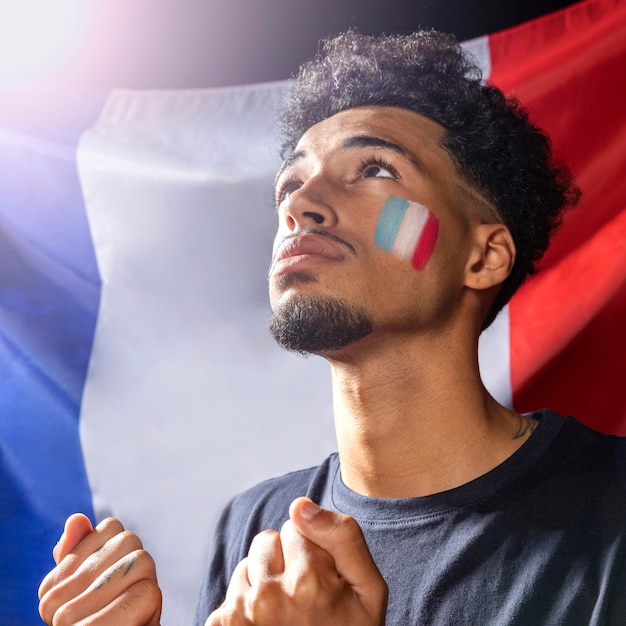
column 568, row 324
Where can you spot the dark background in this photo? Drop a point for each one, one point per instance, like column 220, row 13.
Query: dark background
column 209, row 43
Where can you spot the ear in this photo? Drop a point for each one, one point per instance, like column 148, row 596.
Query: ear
column 491, row 258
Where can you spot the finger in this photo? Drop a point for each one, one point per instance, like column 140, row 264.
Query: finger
column 265, row 557
column 76, row 574
column 309, row 569
column 139, row 605
column 227, row 616
column 340, row 536
column 301, row 554
column 96, row 540
column 91, row 544
column 64, row 605
column 246, row 604
column 239, row 583
column 77, row 527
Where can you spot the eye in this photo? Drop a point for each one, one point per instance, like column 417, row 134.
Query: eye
column 285, row 189
column 377, row 168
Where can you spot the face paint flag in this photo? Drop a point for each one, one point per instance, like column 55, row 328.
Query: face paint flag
column 138, row 378
column 408, row 230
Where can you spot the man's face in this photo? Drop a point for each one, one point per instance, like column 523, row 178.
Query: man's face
column 373, row 218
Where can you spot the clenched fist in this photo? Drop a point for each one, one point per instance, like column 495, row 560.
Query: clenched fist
column 103, row 576
column 317, row 570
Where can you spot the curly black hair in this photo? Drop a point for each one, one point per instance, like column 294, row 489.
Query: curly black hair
column 490, row 138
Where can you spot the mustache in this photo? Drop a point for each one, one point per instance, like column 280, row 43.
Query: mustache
column 320, row 233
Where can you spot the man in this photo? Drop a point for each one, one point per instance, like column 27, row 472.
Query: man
column 412, row 203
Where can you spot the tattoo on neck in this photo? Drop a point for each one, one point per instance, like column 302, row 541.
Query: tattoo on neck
column 525, row 425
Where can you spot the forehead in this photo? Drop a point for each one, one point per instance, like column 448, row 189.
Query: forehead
column 417, row 136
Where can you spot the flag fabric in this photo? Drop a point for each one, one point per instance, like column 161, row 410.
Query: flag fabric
column 138, row 377
column 49, row 291
column 187, row 399
column 568, row 338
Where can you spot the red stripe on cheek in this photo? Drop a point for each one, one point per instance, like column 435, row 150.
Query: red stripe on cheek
column 426, row 243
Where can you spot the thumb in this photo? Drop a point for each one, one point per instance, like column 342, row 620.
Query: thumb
column 342, row 538
column 77, row 527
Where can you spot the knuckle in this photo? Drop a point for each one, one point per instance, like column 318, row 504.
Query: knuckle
column 47, row 583
column 61, row 573
column 148, row 592
column 136, row 565
column 262, row 539
column 65, row 615
column 311, row 584
column 46, row 610
column 110, row 525
column 289, row 533
column 346, row 529
column 227, row 616
column 263, row 591
column 263, row 601
column 288, row 526
column 129, row 539
column 347, row 523
column 53, row 601
column 231, row 612
column 383, row 590
column 145, row 562
column 117, row 548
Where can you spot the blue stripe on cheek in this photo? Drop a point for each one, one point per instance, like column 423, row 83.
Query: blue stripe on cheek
column 389, row 223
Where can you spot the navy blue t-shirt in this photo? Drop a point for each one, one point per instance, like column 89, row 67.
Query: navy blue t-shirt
column 538, row 540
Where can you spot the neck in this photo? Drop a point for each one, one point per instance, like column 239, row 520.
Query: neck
column 410, row 426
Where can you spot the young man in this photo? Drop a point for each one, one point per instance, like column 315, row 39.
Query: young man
column 412, row 203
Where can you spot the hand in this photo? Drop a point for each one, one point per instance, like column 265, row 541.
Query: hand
column 318, row 570
column 103, row 576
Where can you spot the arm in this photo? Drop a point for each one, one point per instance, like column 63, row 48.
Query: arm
column 317, row 570
column 102, row 573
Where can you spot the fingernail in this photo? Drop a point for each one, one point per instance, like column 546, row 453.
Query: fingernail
column 309, row 509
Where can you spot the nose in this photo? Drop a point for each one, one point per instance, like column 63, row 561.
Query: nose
column 309, row 205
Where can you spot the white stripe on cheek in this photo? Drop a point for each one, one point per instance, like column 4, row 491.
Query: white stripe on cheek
column 410, row 230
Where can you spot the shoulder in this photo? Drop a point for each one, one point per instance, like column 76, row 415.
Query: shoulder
column 262, row 507
column 266, row 505
column 574, row 440
column 583, row 462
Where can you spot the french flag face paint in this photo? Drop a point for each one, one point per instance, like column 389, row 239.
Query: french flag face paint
column 408, row 230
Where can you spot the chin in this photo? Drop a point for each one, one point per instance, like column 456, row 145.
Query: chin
column 291, row 279
column 288, row 285
column 309, row 324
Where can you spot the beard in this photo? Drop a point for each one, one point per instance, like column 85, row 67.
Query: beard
column 308, row 325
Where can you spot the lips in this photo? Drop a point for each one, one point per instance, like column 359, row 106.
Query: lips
column 301, row 251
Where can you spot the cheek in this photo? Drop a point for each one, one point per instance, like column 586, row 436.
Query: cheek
column 407, row 230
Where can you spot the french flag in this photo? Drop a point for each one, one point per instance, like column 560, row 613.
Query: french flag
column 138, row 378
column 408, row 230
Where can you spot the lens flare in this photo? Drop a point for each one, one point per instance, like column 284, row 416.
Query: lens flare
column 37, row 38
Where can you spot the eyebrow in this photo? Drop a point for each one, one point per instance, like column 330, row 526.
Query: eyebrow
column 355, row 142
column 369, row 141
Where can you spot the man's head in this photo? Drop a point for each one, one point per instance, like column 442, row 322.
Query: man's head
column 493, row 145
